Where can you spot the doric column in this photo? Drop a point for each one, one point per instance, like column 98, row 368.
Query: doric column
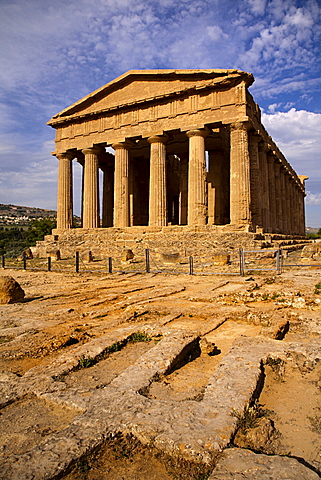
column 278, row 198
column 64, row 204
column 292, row 205
column 215, row 187
column 121, row 186
column 81, row 161
column 157, row 181
column 91, row 188
column 296, row 204
column 255, row 181
column 197, row 194
column 108, row 196
column 240, row 191
column 288, row 202
column 302, row 213
column 265, row 186
column 302, row 178
column 272, row 204
column 283, row 200
column 183, row 189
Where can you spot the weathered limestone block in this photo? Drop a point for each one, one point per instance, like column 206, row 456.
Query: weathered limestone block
column 261, row 438
column 168, row 258
column 312, row 251
column 221, row 259
column 127, row 255
column 10, row 290
column 27, row 253
column 54, row 254
column 239, row 464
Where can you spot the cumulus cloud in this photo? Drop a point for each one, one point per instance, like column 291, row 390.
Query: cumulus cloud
column 257, row 6
column 216, row 33
column 313, row 198
column 298, row 134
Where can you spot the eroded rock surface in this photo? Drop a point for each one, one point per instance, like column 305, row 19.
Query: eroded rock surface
column 239, row 464
column 136, row 367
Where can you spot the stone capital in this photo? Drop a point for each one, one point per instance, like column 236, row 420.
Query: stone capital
column 197, row 132
column 158, row 139
column 241, row 125
column 122, row 146
column 271, row 156
column 263, row 146
column 92, row 151
column 61, row 156
column 256, row 138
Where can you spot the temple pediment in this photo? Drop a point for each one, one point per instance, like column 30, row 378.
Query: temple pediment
column 137, row 87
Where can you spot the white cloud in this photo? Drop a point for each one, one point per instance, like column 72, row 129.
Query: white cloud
column 313, row 198
column 257, row 6
column 273, row 107
column 216, row 33
column 289, row 37
column 277, row 106
column 297, row 134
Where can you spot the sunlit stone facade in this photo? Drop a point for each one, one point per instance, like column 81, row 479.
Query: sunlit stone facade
column 188, row 149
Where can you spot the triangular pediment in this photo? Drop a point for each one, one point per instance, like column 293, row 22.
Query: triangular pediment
column 139, row 86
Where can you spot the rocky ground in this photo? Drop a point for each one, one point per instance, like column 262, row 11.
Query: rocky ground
column 156, row 377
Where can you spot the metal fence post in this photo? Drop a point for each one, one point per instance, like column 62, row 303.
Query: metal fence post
column 110, row 265
column 147, row 260
column 49, row 264
column 77, row 262
column 191, row 266
column 3, row 264
column 24, row 260
column 241, row 262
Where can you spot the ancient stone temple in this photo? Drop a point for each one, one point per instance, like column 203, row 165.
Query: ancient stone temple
column 183, row 148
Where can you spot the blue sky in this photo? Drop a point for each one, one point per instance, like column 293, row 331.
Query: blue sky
column 54, row 53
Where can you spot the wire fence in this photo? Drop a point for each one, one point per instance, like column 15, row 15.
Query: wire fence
column 237, row 262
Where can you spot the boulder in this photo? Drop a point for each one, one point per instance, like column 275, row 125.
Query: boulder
column 27, row 253
column 127, row 255
column 54, row 254
column 221, row 259
column 168, row 258
column 10, row 290
column 261, row 438
column 312, row 251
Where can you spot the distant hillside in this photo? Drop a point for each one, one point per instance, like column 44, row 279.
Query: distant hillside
column 19, row 215
column 312, row 230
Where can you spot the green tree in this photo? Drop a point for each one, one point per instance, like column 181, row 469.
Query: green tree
column 315, row 235
column 38, row 229
column 14, row 240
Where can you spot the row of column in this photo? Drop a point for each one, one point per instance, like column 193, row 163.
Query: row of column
column 277, row 201
column 197, row 209
column 263, row 193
